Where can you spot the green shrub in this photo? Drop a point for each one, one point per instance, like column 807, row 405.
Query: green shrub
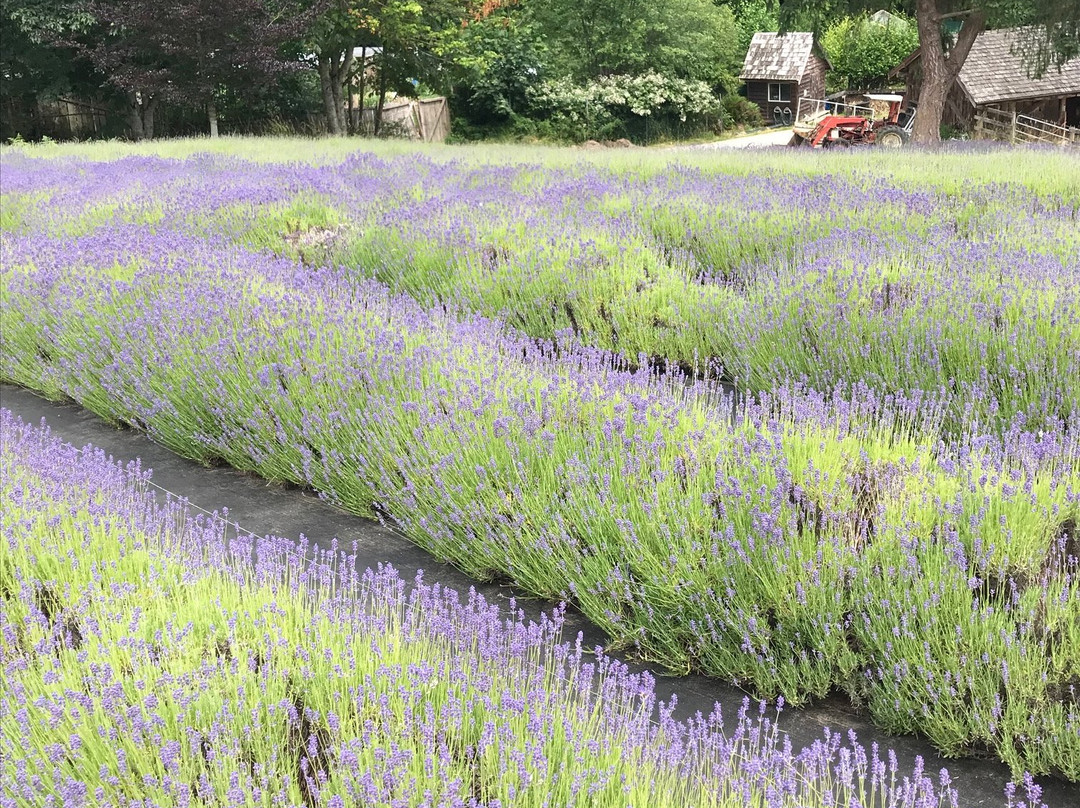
column 736, row 111
column 862, row 50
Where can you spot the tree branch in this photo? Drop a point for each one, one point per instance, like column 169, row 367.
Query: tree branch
column 964, row 40
column 954, row 14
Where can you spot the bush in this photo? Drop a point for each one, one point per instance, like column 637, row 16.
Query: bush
column 620, row 105
column 738, row 111
column 862, row 50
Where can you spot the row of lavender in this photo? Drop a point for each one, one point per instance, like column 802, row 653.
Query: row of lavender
column 971, row 296
column 166, row 669
column 807, row 545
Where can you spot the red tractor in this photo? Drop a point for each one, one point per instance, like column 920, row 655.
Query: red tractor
column 827, row 125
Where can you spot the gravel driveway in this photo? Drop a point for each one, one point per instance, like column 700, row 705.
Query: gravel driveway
column 772, row 137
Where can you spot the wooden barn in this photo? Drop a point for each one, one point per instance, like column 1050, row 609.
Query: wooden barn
column 779, row 70
column 994, row 84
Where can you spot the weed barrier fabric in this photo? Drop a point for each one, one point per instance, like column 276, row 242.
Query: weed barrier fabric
column 293, row 514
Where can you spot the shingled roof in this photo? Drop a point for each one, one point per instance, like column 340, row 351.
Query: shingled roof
column 993, row 74
column 775, row 57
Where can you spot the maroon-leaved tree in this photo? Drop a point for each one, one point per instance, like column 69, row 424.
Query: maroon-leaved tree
column 186, row 51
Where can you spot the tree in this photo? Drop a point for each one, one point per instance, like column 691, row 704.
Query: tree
column 753, row 16
column 503, row 57
column 420, row 42
column 185, row 51
column 862, row 51
column 411, row 41
column 1053, row 38
column 336, row 27
column 686, row 39
column 32, row 67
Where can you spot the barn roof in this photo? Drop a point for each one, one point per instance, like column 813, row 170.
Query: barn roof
column 778, row 57
column 993, row 73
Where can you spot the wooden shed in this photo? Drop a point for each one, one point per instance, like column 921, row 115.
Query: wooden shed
column 779, row 70
column 994, row 81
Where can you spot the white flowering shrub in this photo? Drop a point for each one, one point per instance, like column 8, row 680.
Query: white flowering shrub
column 595, row 108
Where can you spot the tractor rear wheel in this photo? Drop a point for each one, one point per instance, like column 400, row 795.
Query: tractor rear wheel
column 891, row 137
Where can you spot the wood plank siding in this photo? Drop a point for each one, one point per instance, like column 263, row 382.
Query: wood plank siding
column 757, row 92
column 813, row 80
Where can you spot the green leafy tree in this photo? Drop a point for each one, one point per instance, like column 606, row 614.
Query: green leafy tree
column 862, row 50
column 1053, row 38
column 752, row 16
column 421, row 42
column 411, row 42
column 665, row 59
column 33, row 66
column 688, row 39
column 503, row 58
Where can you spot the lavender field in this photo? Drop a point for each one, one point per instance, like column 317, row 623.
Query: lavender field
column 808, row 425
column 298, row 681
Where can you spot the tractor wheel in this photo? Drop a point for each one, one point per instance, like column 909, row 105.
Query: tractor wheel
column 892, row 137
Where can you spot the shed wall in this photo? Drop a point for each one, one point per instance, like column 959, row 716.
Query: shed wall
column 813, row 80
column 758, row 93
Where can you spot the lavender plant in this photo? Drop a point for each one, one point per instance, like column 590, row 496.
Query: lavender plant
column 967, row 294
column 150, row 657
column 811, row 543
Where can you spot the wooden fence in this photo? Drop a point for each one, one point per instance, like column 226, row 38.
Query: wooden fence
column 427, row 119
column 58, row 118
column 998, row 124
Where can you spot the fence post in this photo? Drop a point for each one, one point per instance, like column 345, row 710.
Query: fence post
column 420, row 120
column 1012, row 130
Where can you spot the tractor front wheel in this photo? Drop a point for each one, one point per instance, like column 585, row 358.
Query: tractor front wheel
column 891, row 137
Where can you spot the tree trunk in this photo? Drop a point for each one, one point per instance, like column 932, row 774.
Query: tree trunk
column 382, row 96
column 325, row 84
column 339, row 106
column 359, row 94
column 939, row 70
column 350, row 108
column 141, row 116
column 135, row 123
column 343, row 84
column 148, row 118
column 333, row 79
column 211, row 113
